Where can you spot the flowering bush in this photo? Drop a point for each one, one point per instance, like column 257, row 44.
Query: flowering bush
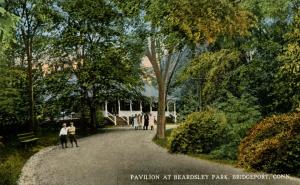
column 273, row 145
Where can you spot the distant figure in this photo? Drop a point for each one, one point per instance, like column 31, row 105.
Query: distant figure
column 151, row 121
column 140, row 121
column 131, row 118
column 63, row 135
column 146, row 121
column 72, row 136
column 135, row 122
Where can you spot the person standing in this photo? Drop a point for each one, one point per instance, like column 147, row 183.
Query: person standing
column 146, row 122
column 63, row 135
column 140, row 123
column 151, row 121
column 72, row 136
column 135, row 122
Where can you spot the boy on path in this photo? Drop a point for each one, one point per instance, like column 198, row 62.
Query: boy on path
column 63, row 136
column 71, row 131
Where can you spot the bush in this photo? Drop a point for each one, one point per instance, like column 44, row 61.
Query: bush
column 201, row 132
column 273, row 145
column 100, row 119
column 227, row 151
column 10, row 169
column 241, row 114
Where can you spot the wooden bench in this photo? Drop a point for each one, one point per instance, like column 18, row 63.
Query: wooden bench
column 27, row 138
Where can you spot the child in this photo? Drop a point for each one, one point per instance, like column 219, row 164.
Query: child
column 72, row 137
column 63, row 135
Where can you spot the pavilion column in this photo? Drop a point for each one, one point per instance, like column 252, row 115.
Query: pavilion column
column 141, row 107
column 130, row 108
column 175, row 116
column 119, row 107
column 151, row 105
column 106, row 114
column 130, row 103
column 167, row 106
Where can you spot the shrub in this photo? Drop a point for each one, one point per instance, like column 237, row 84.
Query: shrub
column 227, row 151
column 241, row 114
column 100, row 119
column 201, row 132
column 273, row 145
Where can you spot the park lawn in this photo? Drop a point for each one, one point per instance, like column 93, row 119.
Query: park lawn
column 164, row 143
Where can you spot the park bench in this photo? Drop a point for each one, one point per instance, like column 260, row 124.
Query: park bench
column 27, row 138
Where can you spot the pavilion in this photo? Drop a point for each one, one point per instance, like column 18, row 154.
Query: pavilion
column 119, row 111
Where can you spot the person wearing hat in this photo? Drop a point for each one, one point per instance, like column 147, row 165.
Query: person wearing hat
column 71, row 131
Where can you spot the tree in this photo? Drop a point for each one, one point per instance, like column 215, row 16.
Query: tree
column 255, row 66
column 97, row 52
column 7, row 25
column 10, row 76
column 288, row 75
column 180, row 22
column 36, row 17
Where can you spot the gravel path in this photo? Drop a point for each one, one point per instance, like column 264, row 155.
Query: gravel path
column 129, row 157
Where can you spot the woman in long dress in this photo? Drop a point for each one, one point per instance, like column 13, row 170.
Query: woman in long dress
column 140, row 121
column 135, row 122
column 151, row 121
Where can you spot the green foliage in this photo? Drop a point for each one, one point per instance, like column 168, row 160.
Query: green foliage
column 163, row 142
column 105, row 65
column 7, row 25
column 188, row 104
column 10, row 77
column 201, row 132
column 241, row 114
column 100, row 119
column 253, row 70
column 277, row 9
column 204, row 21
column 11, row 102
column 47, row 139
column 289, row 73
column 214, row 68
column 273, row 145
column 225, row 152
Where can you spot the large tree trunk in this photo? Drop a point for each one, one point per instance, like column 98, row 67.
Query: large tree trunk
column 161, row 118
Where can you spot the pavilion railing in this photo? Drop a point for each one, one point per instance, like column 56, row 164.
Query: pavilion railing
column 112, row 118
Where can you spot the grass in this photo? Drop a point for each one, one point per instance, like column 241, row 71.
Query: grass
column 12, row 161
column 14, row 156
column 163, row 142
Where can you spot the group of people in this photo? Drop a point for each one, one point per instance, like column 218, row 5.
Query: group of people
column 143, row 121
column 138, row 121
column 66, row 132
